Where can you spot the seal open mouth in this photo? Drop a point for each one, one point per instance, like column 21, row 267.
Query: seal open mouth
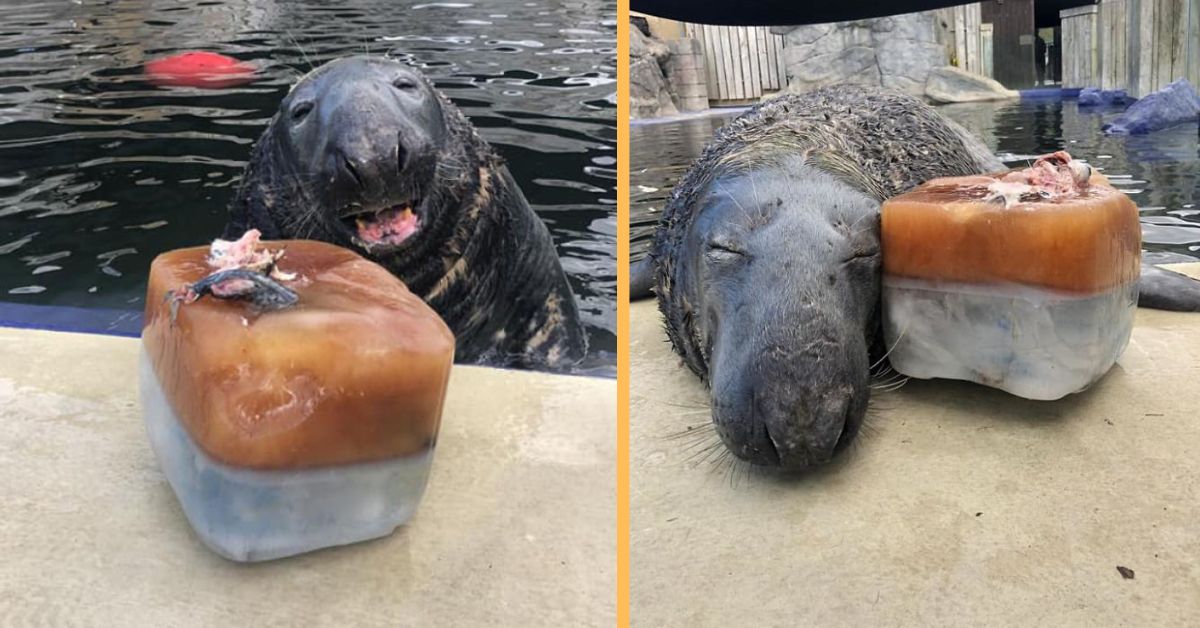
column 384, row 228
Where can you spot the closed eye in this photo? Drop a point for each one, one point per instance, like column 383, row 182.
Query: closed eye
column 861, row 254
column 723, row 251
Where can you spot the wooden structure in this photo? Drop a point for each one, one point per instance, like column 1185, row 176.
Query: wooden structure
column 1013, row 36
column 1135, row 45
column 742, row 62
column 1079, row 37
column 964, row 39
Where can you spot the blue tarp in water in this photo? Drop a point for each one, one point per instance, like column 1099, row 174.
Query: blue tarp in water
column 1095, row 97
column 1171, row 105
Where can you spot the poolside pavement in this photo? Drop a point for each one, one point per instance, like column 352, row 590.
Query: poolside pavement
column 960, row 505
column 510, row 531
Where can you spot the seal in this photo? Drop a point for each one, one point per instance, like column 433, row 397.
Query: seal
column 366, row 153
column 766, row 262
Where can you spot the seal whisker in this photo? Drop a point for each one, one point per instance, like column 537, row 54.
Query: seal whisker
column 686, row 405
column 883, row 377
column 700, row 443
column 697, row 441
column 700, row 455
column 730, row 468
column 891, row 387
column 854, row 224
column 883, row 381
column 692, row 431
column 714, row 453
column 889, row 351
column 288, row 34
column 725, row 191
column 754, row 188
column 883, row 370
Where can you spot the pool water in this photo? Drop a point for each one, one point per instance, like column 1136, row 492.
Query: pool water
column 1159, row 171
column 100, row 171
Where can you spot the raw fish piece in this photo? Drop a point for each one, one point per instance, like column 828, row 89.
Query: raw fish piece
column 1029, row 290
column 240, row 270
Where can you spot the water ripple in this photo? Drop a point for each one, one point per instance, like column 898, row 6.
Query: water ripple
column 94, row 159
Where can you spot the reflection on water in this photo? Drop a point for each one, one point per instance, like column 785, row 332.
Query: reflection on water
column 1159, row 171
column 100, row 171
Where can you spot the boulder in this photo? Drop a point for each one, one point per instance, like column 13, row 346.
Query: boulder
column 642, row 46
column 649, row 91
column 1174, row 104
column 1096, row 97
column 950, row 84
column 897, row 51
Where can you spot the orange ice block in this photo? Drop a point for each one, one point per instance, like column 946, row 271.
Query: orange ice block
column 944, row 230
column 287, row 430
column 1024, row 281
column 355, row 372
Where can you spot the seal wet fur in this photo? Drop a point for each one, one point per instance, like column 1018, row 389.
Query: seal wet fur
column 766, row 261
column 367, row 154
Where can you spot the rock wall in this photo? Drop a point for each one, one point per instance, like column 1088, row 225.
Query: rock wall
column 897, row 52
column 649, row 91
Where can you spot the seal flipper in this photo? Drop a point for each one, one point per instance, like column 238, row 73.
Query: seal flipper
column 641, row 278
column 1163, row 289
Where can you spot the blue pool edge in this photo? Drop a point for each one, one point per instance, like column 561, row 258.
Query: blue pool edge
column 108, row 322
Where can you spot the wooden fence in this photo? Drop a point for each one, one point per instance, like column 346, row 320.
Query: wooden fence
column 964, row 41
column 743, row 63
column 1136, row 45
column 1080, row 37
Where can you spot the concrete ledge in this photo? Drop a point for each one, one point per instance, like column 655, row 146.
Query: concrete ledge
column 959, row 505
column 517, row 526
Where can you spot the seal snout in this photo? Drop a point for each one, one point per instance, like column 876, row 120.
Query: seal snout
column 368, row 168
column 381, row 213
column 789, row 409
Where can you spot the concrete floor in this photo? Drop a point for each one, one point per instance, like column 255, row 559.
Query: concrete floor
column 517, row 526
column 960, row 506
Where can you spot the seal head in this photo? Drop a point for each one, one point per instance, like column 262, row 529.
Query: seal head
column 367, row 154
column 783, row 322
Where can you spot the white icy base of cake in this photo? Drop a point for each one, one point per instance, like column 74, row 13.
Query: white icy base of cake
column 1033, row 343
column 250, row 515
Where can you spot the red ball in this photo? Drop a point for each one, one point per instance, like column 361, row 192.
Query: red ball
column 199, row 69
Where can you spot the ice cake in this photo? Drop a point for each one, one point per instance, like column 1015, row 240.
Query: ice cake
column 1024, row 281
column 292, row 393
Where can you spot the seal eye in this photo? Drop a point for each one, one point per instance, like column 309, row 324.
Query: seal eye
column 721, row 251
column 404, row 82
column 301, row 110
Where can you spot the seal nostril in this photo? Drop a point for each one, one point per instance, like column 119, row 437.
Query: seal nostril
column 772, row 447
column 848, row 432
column 348, row 166
column 401, row 156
